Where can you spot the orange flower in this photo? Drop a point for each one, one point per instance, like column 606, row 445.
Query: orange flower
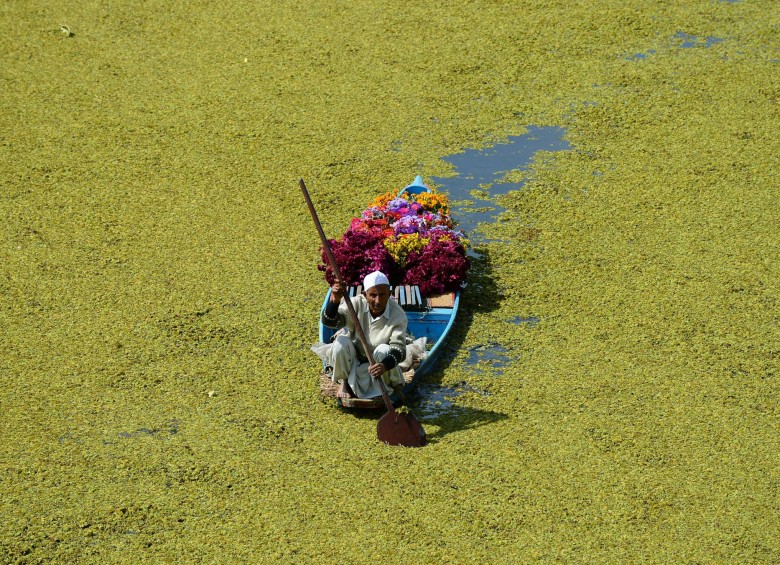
column 433, row 201
column 383, row 199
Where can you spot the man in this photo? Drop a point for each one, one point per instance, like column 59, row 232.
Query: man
column 384, row 325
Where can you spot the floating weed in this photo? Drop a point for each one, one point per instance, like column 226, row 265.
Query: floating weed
column 641, row 416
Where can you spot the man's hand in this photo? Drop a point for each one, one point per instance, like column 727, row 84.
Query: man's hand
column 336, row 292
column 376, row 370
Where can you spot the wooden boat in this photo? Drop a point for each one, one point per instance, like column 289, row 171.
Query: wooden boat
column 431, row 317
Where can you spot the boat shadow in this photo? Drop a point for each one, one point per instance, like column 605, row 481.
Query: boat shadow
column 459, row 419
column 480, row 296
column 455, row 419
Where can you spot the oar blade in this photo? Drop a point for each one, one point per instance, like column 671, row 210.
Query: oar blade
column 396, row 428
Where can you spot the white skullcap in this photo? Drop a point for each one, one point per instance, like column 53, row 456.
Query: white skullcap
column 373, row 279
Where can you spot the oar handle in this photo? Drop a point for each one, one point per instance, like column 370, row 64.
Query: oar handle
column 350, row 307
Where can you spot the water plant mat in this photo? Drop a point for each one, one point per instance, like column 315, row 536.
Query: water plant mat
column 159, row 291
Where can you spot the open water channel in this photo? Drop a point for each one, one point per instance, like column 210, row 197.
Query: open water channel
column 481, row 177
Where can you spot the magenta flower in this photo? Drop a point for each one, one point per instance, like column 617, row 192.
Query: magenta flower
column 357, row 254
column 439, row 269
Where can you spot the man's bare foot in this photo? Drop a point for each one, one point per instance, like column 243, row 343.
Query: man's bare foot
column 344, row 391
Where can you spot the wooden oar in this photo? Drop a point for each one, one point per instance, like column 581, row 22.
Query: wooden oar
column 394, row 428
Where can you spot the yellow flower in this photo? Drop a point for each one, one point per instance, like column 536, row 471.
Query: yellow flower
column 401, row 246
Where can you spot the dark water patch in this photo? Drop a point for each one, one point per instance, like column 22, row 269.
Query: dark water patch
column 481, row 174
column 491, row 356
column 688, row 41
column 171, row 429
column 531, row 320
column 139, row 432
column 641, row 56
column 435, row 400
column 683, row 41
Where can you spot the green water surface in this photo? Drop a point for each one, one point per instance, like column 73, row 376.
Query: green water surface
column 159, row 291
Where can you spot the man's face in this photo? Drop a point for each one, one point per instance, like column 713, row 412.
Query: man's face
column 377, row 297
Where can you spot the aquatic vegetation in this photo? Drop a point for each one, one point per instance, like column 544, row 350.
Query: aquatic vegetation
column 496, row 170
column 159, row 290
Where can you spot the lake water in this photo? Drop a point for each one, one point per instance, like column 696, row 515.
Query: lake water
column 484, row 171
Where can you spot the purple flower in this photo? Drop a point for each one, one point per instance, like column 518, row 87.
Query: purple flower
column 410, row 224
column 398, row 205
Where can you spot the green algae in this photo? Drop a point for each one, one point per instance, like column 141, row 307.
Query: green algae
column 159, row 291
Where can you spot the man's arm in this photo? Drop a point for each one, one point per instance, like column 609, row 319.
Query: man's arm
column 331, row 317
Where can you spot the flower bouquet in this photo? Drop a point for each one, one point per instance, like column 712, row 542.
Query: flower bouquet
column 409, row 237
